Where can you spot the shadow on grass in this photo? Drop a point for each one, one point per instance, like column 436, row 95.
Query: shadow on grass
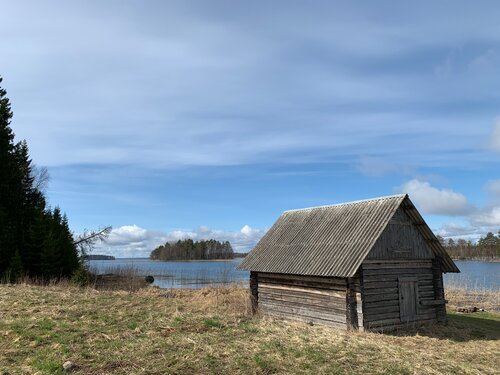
column 460, row 328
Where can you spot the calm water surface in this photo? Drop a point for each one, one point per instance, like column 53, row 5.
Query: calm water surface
column 177, row 274
column 475, row 275
column 195, row 274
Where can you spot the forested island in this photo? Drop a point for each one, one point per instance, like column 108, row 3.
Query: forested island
column 99, row 257
column 193, row 250
column 486, row 248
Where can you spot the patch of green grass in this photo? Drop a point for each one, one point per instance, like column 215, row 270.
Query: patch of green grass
column 213, row 322
column 48, row 365
column 178, row 321
column 46, row 325
column 264, row 363
column 479, row 325
column 132, row 324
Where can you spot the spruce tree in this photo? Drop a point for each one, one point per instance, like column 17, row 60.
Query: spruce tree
column 10, row 185
column 34, row 240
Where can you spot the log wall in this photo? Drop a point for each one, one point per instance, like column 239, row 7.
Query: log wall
column 381, row 296
column 308, row 298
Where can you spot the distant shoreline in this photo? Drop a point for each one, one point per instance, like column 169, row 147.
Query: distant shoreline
column 196, row 260
column 488, row 260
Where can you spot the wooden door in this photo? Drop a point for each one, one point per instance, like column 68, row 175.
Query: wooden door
column 408, row 298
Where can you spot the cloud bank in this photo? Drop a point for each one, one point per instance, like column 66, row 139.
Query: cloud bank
column 132, row 241
column 190, row 83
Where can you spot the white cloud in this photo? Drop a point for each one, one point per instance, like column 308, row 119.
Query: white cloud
column 489, row 217
column 460, row 231
column 436, row 201
column 479, row 220
column 495, row 136
column 134, row 241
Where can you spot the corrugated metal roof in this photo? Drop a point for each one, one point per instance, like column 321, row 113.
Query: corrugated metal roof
column 332, row 240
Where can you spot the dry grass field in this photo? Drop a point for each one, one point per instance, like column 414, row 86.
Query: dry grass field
column 211, row 331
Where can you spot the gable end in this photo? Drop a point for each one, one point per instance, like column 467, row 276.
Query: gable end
column 400, row 239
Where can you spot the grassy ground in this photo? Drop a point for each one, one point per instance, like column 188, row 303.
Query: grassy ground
column 211, row 332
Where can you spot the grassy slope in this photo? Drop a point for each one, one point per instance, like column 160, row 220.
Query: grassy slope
column 210, row 331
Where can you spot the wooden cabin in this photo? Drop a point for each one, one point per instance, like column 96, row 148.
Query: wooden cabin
column 372, row 264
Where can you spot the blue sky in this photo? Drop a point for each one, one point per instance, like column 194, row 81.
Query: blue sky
column 203, row 119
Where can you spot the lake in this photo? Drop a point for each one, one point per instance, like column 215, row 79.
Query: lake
column 177, row 274
column 475, row 275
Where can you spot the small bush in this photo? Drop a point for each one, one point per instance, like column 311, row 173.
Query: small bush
column 81, row 276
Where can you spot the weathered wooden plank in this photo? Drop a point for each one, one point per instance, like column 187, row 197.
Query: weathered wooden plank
column 325, row 280
column 307, row 284
column 279, row 306
column 377, row 284
column 393, row 326
column 391, row 271
column 397, row 322
column 303, row 299
column 389, row 261
column 266, row 307
column 425, row 287
column 305, row 303
column 369, row 292
column 395, row 316
column 399, row 265
column 284, row 288
column 315, row 281
column 371, row 317
column 299, row 297
column 426, row 294
column 381, row 297
column 382, row 309
column 378, row 303
column 392, row 277
column 279, row 288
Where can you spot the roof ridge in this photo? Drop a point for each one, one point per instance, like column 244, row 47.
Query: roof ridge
column 349, row 203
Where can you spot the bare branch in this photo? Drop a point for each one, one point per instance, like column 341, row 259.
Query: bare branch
column 86, row 241
column 41, row 178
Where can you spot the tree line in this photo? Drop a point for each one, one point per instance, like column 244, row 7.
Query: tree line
column 35, row 239
column 191, row 250
column 488, row 247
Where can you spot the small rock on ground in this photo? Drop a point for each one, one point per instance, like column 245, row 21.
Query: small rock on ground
column 69, row 366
